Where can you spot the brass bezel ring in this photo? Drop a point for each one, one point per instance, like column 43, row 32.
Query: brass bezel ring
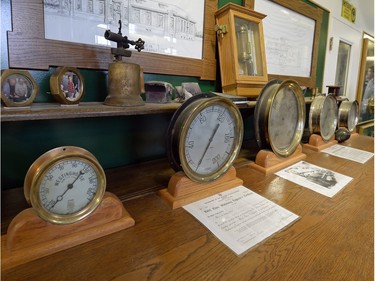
column 298, row 133
column 48, row 160
column 186, row 118
column 348, row 115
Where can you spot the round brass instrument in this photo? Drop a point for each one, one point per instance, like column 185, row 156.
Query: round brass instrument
column 279, row 117
column 323, row 116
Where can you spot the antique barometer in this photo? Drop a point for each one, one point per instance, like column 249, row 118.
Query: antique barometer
column 279, row 117
column 65, row 184
column 323, row 116
column 241, row 48
column 204, row 137
column 348, row 114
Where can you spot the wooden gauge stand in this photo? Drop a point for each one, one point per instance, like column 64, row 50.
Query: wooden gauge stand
column 29, row 237
column 316, row 143
column 268, row 162
column 181, row 190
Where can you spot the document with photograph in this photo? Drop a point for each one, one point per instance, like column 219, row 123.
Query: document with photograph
column 354, row 154
column 240, row 218
column 318, row 179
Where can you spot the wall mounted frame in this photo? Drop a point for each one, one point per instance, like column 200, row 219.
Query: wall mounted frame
column 27, row 40
column 313, row 12
column 363, row 94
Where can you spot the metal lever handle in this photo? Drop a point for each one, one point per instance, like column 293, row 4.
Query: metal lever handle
column 221, row 30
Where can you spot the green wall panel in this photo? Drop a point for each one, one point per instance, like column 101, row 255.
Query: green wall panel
column 115, row 141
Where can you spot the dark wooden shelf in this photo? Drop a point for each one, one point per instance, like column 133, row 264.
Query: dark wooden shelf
column 45, row 111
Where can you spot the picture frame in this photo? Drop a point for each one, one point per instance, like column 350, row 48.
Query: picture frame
column 67, row 85
column 18, row 88
column 168, row 27
column 28, row 26
column 312, row 12
column 366, row 105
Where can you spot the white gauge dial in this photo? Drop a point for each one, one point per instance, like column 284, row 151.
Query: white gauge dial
column 65, row 184
column 205, row 137
column 209, row 140
column 68, row 187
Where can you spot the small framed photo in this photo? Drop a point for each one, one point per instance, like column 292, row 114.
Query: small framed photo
column 18, row 88
column 67, row 85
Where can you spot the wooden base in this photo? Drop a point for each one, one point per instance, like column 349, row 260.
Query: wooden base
column 244, row 89
column 268, row 162
column 316, row 143
column 29, row 237
column 182, row 190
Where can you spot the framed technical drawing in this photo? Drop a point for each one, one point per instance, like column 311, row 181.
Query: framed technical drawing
column 168, row 27
column 49, row 47
column 291, row 35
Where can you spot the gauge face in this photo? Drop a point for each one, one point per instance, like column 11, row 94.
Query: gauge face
column 68, row 187
column 352, row 118
column 282, row 118
column 210, row 139
column 328, row 118
column 323, row 117
column 65, row 185
column 209, row 136
column 279, row 117
column 348, row 114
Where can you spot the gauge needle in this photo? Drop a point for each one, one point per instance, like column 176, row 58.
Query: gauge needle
column 208, row 145
column 70, row 186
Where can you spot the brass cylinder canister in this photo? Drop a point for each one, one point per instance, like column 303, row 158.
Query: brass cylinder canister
column 124, row 85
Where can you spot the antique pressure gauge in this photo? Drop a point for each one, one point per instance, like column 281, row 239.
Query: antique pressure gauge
column 204, row 137
column 241, row 48
column 67, row 85
column 65, row 184
column 348, row 114
column 323, row 116
column 279, row 117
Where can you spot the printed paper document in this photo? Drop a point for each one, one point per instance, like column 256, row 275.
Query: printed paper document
column 320, row 180
column 240, row 218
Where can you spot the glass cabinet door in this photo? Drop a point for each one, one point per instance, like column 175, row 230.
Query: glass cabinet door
column 248, row 47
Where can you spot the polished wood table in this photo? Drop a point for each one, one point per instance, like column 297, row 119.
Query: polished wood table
column 332, row 240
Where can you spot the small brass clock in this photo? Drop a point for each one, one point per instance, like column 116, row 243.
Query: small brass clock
column 279, row 117
column 323, row 116
column 67, row 85
column 65, row 184
column 204, row 137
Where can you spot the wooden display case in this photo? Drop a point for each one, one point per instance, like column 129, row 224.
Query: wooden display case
column 241, row 50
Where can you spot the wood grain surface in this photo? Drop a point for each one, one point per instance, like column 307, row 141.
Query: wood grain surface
column 332, row 240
